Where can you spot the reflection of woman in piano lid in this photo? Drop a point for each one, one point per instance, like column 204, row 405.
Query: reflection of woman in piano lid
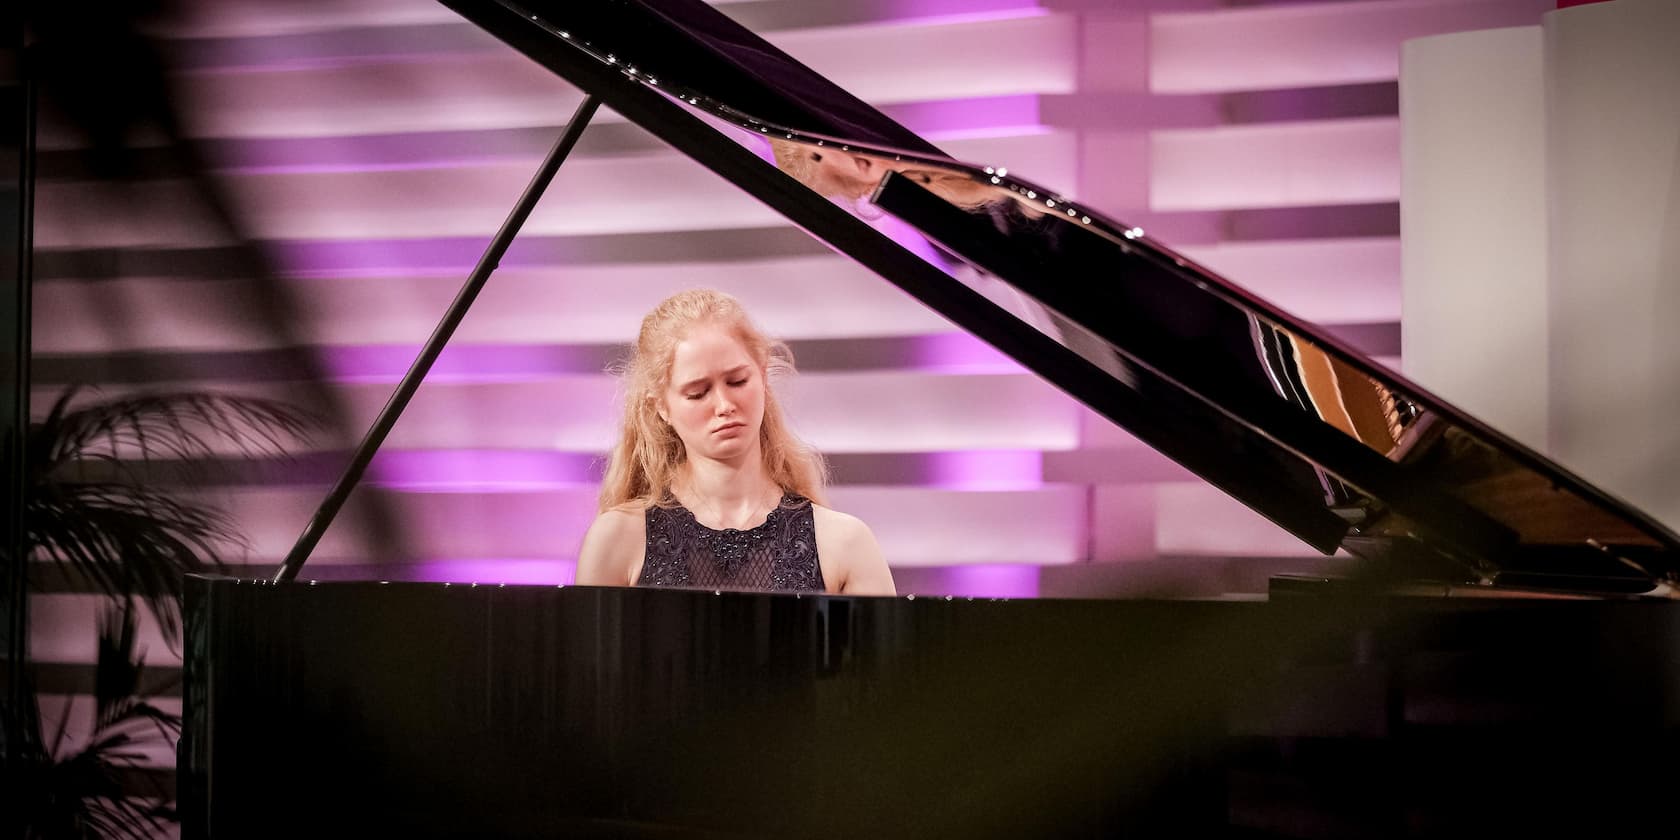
column 835, row 173
column 706, row 486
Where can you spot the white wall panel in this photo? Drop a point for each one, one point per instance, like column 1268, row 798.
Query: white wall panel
column 1288, row 45
column 1613, row 121
column 1473, row 217
column 1354, row 161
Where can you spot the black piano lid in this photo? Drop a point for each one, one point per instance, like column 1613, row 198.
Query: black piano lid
column 1275, row 411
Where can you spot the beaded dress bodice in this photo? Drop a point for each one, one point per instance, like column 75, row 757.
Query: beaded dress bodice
column 779, row 555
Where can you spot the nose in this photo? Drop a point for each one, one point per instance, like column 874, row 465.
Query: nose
column 725, row 405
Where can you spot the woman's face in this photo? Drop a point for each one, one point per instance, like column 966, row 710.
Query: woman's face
column 715, row 399
column 846, row 174
column 856, row 176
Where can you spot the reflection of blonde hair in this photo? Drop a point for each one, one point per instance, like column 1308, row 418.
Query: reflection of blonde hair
column 648, row 454
column 795, row 159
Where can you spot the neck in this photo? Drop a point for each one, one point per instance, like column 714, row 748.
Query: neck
column 735, row 493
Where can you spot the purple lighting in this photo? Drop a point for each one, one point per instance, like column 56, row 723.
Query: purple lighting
column 495, row 571
column 985, row 470
column 954, row 11
column 465, row 470
column 992, row 580
column 992, row 115
column 959, row 353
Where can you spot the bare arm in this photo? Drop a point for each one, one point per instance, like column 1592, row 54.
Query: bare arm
column 611, row 554
column 853, row 555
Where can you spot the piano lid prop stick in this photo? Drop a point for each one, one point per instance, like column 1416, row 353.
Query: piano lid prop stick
column 416, row 374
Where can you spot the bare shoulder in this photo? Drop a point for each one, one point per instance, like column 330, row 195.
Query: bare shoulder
column 611, row 554
column 626, row 517
column 851, row 559
column 844, row 527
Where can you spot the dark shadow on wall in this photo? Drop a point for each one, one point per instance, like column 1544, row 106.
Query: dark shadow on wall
column 108, row 81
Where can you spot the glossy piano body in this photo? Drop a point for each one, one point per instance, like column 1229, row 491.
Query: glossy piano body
column 424, row 710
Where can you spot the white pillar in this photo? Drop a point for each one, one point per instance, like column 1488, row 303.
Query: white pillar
column 1613, row 84
column 1473, row 224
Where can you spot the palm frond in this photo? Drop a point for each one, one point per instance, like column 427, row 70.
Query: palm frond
column 116, row 666
column 93, row 513
column 107, row 524
column 87, row 791
column 179, row 425
column 129, row 540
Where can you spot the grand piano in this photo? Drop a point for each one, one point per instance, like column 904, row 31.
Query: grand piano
column 1502, row 656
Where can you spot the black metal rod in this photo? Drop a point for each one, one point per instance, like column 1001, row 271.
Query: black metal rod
column 14, row 554
column 434, row 345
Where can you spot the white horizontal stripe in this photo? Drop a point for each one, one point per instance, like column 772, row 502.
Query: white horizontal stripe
column 879, row 63
column 477, row 90
column 591, row 304
column 652, row 192
column 1355, row 161
column 909, row 62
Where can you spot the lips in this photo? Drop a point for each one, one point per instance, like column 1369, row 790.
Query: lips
column 728, row 426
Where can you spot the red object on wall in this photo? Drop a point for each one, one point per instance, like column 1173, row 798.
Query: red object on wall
column 1564, row 4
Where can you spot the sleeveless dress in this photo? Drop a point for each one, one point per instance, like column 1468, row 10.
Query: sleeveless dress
column 778, row 556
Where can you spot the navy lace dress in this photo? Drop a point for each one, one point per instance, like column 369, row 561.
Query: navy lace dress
column 777, row 556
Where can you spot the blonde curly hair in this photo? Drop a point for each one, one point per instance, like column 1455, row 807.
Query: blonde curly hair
column 648, row 454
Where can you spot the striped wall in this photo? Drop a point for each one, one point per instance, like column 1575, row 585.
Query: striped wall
column 370, row 147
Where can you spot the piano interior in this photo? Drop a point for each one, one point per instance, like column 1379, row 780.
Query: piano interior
column 1458, row 635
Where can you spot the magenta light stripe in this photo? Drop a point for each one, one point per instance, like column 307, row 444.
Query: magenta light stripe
column 985, row 470
column 494, row 571
column 960, row 352
column 467, row 470
column 962, row 116
column 989, row 580
column 961, row 11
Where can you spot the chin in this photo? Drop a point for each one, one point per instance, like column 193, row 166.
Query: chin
column 732, row 447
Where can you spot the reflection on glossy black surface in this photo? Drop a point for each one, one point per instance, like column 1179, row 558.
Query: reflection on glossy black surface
column 1354, row 456
column 411, row 710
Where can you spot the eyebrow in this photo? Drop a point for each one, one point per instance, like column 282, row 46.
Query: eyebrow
column 704, row 379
